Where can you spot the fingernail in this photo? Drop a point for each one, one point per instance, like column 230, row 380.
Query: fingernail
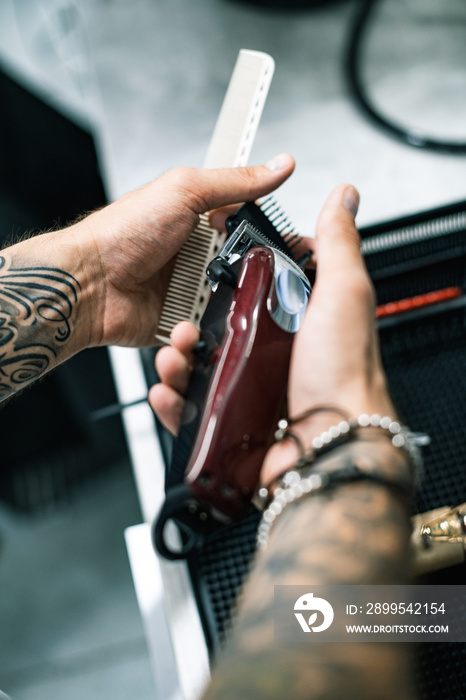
column 279, row 163
column 351, row 200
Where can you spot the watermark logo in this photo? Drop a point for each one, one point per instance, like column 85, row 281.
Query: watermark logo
column 365, row 613
column 312, row 605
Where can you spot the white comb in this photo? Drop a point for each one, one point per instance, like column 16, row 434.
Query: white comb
column 188, row 291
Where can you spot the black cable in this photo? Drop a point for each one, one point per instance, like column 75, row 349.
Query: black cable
column 353, row 62
column 177, row 499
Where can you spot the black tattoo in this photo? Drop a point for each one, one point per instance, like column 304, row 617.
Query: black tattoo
column 36, row 309
column 357, row 534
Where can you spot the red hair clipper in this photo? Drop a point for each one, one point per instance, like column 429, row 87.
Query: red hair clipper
column 238, row 387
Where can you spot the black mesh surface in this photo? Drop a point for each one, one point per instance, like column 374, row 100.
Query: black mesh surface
column 425, row 361
column 218, row 572
column 426, row 367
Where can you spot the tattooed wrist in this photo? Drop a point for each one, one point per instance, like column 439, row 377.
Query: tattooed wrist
column 358, row 534
column 38, row 312
column 372, row 452
column 350, row 526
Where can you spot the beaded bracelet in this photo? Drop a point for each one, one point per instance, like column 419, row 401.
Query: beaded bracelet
column 400, row 435
column 283, row 428
column 299, row 486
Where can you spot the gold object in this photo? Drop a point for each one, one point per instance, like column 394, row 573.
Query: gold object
column 439, row 539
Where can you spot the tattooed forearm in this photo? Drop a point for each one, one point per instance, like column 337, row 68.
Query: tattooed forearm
column 357, row 535
column 38, row 306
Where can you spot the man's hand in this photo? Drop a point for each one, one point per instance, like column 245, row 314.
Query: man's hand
column 102, row 281
column 136, row 240
column 335, row 356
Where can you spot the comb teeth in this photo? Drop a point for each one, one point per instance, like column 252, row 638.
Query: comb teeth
column 277, row 217
column 270, row 219
column 189, row 290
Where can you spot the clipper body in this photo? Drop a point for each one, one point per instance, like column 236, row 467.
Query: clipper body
column 245, row 398
column 238, row 387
